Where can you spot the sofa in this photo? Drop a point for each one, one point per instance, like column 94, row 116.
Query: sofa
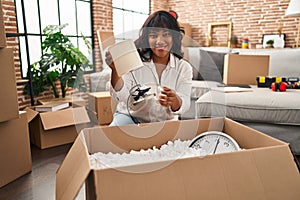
column 274, row 113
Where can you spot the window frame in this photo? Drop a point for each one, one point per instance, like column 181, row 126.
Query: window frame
column 24, row 51
column 124, row 10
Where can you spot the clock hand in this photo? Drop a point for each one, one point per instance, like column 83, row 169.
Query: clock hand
column 217, row 143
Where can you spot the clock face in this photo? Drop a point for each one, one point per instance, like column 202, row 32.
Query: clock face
column 213, row 142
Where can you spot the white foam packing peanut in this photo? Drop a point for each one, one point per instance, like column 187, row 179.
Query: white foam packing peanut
column 170, row 151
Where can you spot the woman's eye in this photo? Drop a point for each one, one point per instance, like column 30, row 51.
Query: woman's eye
column 167, row 34
column 152, row 36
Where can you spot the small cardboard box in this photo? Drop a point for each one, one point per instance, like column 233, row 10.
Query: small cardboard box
column 265, row 169
column 2, row 30
column 101, row 107
column 15, row 151
column 9, row 99
column 49, row 129
column 243, row 69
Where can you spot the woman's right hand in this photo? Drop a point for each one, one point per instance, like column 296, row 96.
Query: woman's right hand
column 109, row 61
column 116, row 80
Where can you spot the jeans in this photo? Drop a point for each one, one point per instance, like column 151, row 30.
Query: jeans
column 120, row 119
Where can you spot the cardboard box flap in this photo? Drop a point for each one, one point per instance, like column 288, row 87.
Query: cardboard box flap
column 73, row 172
column 249, row 138
column 135, row 137
column 31, row 114
column 63, row 118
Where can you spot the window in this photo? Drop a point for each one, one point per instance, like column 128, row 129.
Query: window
column 34, row 15
column 128, row 17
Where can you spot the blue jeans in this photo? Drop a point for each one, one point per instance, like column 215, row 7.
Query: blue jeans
column 120, row 119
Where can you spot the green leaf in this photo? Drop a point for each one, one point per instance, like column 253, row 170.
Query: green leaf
column 60, row 61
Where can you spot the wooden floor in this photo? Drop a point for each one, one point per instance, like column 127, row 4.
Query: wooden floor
column 39, row 184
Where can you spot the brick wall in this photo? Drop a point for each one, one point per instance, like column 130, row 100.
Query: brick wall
column 250, row 18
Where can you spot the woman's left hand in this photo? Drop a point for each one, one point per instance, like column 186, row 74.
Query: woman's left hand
column 169, row 98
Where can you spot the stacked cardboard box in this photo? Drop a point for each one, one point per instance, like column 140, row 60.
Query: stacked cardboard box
column 101, row 107
column 15, row 152
column 264, row 169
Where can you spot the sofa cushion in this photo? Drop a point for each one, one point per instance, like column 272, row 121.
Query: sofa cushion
column 207, row 64
column 198, row 89
column 211, row 66
column 261, row 105
column 100, row 81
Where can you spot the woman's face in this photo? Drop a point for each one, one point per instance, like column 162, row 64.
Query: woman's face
column 161, row 42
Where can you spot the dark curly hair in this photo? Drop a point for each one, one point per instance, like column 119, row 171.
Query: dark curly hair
column 159, row 19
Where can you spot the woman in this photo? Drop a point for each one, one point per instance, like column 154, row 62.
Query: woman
column 165, row 72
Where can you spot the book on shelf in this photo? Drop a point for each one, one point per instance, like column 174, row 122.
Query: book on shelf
column 52, row 106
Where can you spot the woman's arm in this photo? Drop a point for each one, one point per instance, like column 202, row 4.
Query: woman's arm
column 116, row 81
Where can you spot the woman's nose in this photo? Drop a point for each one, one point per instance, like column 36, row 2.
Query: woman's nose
column 159, row 39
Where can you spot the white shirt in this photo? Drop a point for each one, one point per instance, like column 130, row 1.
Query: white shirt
column 177, row 76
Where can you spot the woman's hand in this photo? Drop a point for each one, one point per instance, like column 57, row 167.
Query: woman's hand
column 109, row 61
column 116, row 81
column 169, row 98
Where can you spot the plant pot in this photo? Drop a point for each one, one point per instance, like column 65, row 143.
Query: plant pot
column 269, row 46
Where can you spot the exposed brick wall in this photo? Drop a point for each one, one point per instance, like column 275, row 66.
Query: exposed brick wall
column 250, row 18
column 158, row 5
column 102, row 11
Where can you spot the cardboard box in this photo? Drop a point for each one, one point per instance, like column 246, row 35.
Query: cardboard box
column 15, row 151
column 264, row 170
column 9, row 99
column 101, row 107
column 74, row 101
column 243, row 69
column 2, row 30
column 50, row 129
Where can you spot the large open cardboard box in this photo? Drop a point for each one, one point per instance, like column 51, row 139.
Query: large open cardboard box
column 243, row 69
column 15, row 151
column 264, row 170
column 49, row 129
column 9, row 99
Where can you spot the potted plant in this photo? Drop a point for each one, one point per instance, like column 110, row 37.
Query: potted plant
column 269, row 44
column 60, row 62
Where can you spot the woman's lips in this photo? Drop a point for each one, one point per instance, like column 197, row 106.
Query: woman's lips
column 161, row 48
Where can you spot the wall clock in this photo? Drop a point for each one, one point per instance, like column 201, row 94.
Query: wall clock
column 213, row 142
